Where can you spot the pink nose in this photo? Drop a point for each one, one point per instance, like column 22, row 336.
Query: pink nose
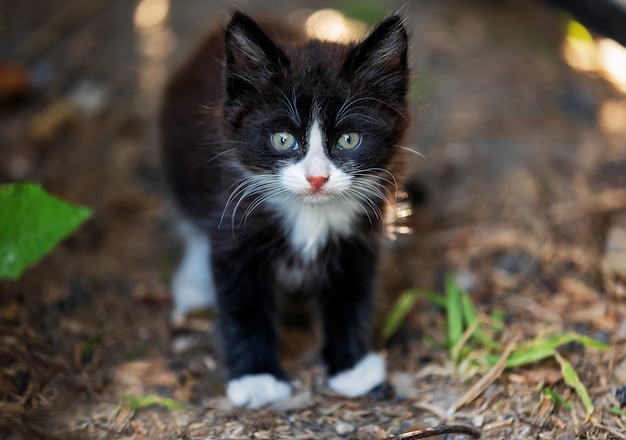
column 317, row 182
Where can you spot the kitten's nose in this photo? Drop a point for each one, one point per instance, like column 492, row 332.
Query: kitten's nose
column 317, row 182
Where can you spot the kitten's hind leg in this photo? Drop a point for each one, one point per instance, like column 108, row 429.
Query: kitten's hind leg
column 193, row 287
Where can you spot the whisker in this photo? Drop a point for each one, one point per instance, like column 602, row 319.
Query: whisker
column 350, row 197
column 241, row 188
column 220, row 154
column 367, row 192
column 373, row 119
column 265, row 195
column 370, row 173
column 417, row 153
column 365, row 99
column 291, row 105
column 368, row 177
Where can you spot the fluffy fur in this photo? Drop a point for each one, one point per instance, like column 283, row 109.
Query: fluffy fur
column 282, row 151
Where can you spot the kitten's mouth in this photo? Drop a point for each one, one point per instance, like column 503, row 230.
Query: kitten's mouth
column 318, row 197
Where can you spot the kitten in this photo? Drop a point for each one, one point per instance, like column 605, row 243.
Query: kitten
column 282, row 155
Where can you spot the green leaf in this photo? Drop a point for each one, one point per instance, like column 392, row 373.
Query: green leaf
column 140, row 402
column 398, row 313
column 31, row 224
column 571, row 379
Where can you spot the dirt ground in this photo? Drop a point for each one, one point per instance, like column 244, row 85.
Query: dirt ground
column 520, row 193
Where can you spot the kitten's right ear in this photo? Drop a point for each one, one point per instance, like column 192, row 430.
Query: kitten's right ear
column 251, row 57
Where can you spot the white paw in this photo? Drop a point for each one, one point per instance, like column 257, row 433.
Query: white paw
column 368, row 373
column 193, row 287
column 256, row 390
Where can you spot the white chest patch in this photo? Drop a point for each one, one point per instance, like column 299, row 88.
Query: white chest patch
column 311, row 226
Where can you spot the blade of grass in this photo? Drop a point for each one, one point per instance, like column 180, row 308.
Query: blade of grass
column 139, row 402
column 434, row 298
column 497, row 319
column 454, row 312
column 571, row 379
column 617, row 411
column 542, row 348
column 529, row 354
column 455, row 352
column 470, row 316
column 398, row 313
column 556, row 398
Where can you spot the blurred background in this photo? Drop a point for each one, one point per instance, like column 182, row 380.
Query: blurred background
column 518, row 186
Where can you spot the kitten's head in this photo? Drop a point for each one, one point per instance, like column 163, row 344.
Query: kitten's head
column 317, row 122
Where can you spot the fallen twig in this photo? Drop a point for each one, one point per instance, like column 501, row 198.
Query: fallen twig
column 439, row 430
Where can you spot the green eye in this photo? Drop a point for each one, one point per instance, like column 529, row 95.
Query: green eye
column 349, row 141
column 284, row 141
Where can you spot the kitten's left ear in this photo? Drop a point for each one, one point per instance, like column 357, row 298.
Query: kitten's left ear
column 384, row 51
column 251, row 56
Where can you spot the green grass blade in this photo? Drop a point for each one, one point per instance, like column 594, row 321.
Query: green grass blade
column 542, row 348
column 556, row 398
column 469, row 312
column 571, row 379
column 617, row 411
column 398, row 313
column 139, row 402
column 530, row 354
column 470, row 316
column 32, row 222
column 457, row 349
column 497, row 319
column 454, row 312
column 434, row 298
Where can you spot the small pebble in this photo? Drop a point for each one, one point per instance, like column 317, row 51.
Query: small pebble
column 478, row 421
column 343, row 428
column 370, row 432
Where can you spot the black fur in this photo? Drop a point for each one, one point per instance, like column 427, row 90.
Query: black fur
column 218, row 113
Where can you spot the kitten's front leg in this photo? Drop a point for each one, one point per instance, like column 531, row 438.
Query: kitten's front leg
column 248, row 330
column 346, row 309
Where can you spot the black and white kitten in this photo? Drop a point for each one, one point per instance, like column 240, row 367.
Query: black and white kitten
column 282, row 152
